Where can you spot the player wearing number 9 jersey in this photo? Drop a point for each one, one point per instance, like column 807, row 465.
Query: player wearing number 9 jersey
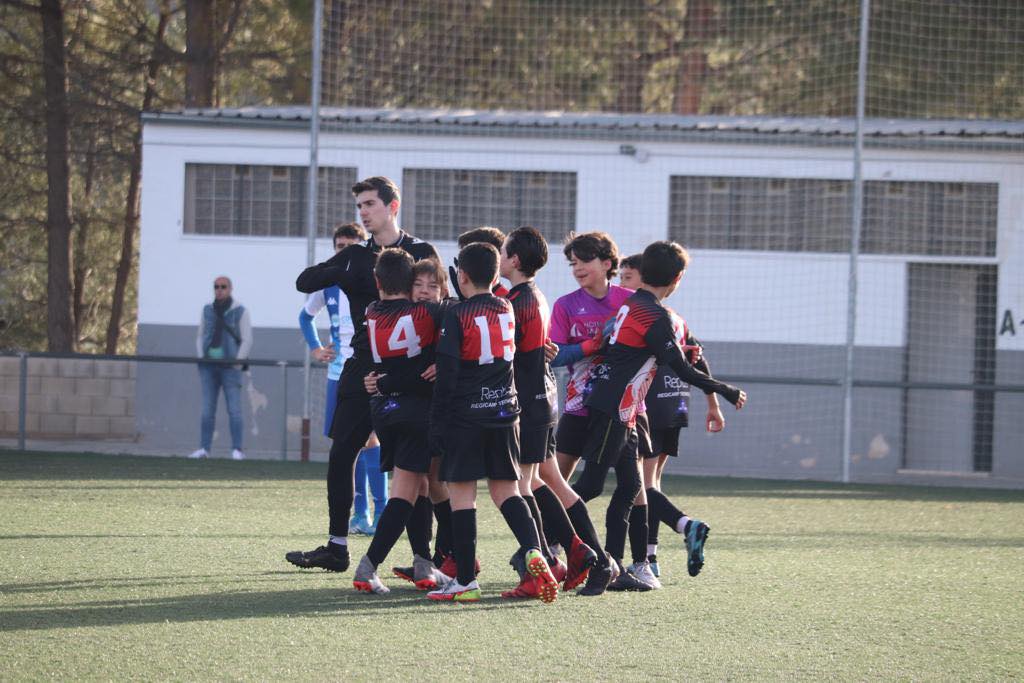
column 474, row 421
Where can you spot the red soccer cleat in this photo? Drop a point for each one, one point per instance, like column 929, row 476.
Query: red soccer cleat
column 559, row 570
column 451, row 569
column 527, row 588
column 547, row 587
column 581, row 558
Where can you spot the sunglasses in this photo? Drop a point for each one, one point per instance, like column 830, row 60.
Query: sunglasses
column 220, row 286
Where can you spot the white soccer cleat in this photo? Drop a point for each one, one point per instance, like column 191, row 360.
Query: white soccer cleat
column 237, row 455
column 643, row 572
column 199, row 453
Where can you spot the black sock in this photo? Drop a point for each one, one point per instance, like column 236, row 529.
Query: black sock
column 517, row 516
column 556, row 522
column 638, row 534
column 652, row 520
column 585, row 528
column 464, row 538
column 538, row 521
column 419, row 527
column 663, row 508
column 443, row 514
column 389, row 529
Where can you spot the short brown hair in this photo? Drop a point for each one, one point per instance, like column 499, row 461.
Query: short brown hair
column 350, row 231
column 479, row 261
column 485, row 234
column 394, row 271
column 662, row 263
column 384, row 187
column 593, row 245
column 432, row 267
column 633, row 261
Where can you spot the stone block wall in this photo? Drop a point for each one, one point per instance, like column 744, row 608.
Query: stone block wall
column 70, row 398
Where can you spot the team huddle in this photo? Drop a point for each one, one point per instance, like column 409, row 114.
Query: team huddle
column 460, row 388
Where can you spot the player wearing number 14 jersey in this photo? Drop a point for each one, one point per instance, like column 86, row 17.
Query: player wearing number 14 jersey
column 474, row 421
column 401, row 336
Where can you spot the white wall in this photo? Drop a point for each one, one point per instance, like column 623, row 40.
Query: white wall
column 726, row 295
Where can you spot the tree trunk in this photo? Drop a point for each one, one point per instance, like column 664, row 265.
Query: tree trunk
column 80, row 271
column 131, row 205
column 200, row 53
column 59, row 328
column 697, row 29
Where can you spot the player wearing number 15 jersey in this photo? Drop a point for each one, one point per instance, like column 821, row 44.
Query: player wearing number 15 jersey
column 474, row 421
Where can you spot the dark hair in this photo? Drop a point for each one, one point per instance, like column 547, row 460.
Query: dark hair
column 394, row 271
column 487, row 235
column 384, row 187
column 528, row 244
column 593, row 245
column 479, row 261
column 350, row 231
column 432, row 267
column 662, row 262
column 633, row 261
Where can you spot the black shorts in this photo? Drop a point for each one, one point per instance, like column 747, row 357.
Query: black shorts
column 351, row 418
column 536, row 444
column 608, row 439
column 473, row 453
column 571, row 434
column 643, row 436
column 405, row 446
column 665, row 441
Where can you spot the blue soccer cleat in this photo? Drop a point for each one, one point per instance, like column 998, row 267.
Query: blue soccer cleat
column 695, row 540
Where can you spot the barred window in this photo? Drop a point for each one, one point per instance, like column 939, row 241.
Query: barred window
column 439, row 204
column 263, row 201
column 812, row 215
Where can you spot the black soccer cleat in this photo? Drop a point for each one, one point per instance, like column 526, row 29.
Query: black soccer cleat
column 599, row 578
column 332, row 557
column 627, row 582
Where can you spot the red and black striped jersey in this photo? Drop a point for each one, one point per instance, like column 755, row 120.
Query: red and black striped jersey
column 535, row 383
column 643, row 336
column 401, row 336
column 475, row 350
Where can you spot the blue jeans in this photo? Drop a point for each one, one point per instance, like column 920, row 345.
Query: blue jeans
column 213, row 378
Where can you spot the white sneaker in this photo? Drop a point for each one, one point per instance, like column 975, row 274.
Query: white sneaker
column 201, row 453
column 642, row 571
column 237, row 455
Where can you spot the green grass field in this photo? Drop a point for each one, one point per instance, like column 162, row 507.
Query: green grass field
column 123, row 567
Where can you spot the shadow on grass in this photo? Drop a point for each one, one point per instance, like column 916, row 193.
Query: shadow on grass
column 229, row 605
column 865, row 539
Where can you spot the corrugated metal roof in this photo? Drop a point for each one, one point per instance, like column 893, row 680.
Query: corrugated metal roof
column 570, row 123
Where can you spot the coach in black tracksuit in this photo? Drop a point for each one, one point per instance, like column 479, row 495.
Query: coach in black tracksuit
column 377, row 200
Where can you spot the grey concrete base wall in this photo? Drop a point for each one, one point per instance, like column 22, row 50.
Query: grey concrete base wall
column 786, row 430
column 69, row 398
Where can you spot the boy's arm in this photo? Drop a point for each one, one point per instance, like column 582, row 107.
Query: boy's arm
column 662, row 341
column 314, row 303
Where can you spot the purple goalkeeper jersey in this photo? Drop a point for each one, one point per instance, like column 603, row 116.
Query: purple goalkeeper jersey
column 576, row 317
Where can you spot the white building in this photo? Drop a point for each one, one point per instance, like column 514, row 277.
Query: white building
column 763, row 204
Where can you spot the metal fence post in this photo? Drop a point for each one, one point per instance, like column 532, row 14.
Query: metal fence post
column 22, row 398
column 284, row 409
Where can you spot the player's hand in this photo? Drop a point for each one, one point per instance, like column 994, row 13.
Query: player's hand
column 550, row 350
column 693, row 353
column 714, row 422
column 592, row 345
column 370, row 383
column 430, row 374
column 741, row 401
column 324, row 354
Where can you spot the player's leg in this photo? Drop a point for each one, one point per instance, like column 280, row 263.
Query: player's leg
column 627, row 486
column 440, row 499
column 693, row 531
column 464, row 587
column 376, row 478
column 652, row 467
column 571, row 526
column 404, row 492
column 349, row 435
column 360, row 523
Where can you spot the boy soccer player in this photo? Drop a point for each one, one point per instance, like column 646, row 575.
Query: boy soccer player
column 642, row 336
column 668, row 412
column 474, row 422
column 400, row 332
column 523, row 253
column 377, row 200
